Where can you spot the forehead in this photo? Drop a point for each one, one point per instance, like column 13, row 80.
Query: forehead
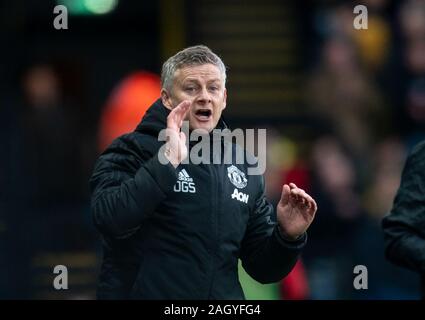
column 199, row 72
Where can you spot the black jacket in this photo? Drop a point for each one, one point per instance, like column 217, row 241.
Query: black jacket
column 404, row 227
column 163, row 240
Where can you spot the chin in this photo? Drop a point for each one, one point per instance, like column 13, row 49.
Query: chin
column 208, row 126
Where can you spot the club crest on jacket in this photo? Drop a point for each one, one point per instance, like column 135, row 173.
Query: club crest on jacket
column 237, row 177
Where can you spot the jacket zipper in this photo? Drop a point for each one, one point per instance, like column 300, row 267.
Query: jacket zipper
column 214, row 213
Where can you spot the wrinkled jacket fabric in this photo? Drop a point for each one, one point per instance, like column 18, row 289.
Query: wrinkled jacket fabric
column 404, row 226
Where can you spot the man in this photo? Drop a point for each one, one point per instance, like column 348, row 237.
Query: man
column 404, row 227
column 166, row 241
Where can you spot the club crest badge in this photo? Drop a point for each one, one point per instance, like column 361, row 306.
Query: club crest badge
column 237, row 177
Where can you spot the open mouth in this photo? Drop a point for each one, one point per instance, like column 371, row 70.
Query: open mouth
column 203, row 114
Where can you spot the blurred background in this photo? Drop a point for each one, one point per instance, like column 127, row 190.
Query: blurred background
column 342, row 107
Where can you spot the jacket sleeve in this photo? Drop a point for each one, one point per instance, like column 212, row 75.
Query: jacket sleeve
column 404, row 226
column 265, row 255
column 128, row 184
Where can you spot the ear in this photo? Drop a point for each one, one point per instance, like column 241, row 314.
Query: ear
column 166, row 99
column 225, row 98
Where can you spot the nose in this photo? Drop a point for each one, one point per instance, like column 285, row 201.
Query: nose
column 203, row 97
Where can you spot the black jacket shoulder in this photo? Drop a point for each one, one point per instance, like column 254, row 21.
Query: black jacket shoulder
column 404, row 226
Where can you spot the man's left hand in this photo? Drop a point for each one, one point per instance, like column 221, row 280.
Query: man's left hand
column 295, row 211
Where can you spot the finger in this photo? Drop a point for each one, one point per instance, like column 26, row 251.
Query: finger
column 182, row 109
column 294, row 194
column 286, row 191
column 293, row 198
column 175, row 111
column 302, row 202
column 314, row 206
column 301, row 197
column 186, row 110
column 182, row 112
column 302, row 193
column 309, row 201
column 310, row 204
column 171, row 135
column 292, row 185
column 176, row 116
column 298, row 193
column 171, row 121
column 181, row 106
column 182, row 137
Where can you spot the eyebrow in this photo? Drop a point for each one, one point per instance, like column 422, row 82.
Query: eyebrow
column 196, row 80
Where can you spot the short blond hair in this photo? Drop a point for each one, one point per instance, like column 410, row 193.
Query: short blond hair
column 191, row 56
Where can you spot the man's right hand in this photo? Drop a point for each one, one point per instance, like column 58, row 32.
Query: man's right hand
column 176, row 149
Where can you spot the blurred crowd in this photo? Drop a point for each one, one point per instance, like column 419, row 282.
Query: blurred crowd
column 364, row 88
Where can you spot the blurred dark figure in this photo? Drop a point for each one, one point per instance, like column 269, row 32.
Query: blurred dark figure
column 42, row 186
column 374, row 44
column 51, row 151
column 329, row 257
column 415, row 108
column 411, row 114
column 345, row 98
column 386, row 281
column 404, row 226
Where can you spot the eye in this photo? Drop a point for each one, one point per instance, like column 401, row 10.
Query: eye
column 213, row 88
column 190, row 89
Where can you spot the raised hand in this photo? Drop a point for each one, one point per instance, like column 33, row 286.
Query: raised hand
column 176, row 150
column 295, row 211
